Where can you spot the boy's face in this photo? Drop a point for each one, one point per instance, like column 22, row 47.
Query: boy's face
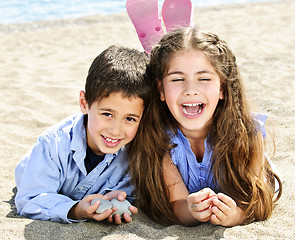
column 112, row 122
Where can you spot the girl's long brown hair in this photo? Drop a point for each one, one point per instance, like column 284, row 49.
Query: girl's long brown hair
column 233, row 135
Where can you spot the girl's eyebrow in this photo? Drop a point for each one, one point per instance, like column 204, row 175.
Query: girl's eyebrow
column 199, row 72
column 174, row 72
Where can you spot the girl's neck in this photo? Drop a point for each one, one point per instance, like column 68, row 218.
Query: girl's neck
column 197, row 140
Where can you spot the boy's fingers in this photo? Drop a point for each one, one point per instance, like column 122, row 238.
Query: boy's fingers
column 117, row 219
column 121, row 195
column 102, row 216
column 133, row 210
column 92, row 208
column 127, row 218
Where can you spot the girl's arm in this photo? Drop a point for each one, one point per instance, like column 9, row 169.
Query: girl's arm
column 189, row 211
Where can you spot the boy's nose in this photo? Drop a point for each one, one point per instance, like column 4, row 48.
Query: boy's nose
column 115, row 128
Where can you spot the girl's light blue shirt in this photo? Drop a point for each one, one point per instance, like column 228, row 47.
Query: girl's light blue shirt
column 52, row 177
column 195, row 175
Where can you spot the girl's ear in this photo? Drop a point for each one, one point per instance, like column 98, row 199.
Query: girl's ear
column 161, row 90
column 83, row 103
column 221, row 95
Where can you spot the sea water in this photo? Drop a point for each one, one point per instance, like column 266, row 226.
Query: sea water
column 20, row 11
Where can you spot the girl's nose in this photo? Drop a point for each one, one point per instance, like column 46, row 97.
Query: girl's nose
column 191, row 88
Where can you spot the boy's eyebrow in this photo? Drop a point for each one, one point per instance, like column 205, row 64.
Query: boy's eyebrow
column 112, row 110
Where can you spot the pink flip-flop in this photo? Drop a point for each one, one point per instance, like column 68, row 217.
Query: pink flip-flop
column 177, row 13
column 144, row 15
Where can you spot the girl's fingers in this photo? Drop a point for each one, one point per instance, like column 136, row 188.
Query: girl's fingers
column 200, row 196
column 202, row 216
column 201, row 206
column 227, row 200
column 214, row 220
column 222, row 207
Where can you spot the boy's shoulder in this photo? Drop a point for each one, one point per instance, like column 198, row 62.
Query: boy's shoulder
column 72, row 125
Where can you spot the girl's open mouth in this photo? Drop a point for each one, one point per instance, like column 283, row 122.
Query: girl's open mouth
column 192, row 109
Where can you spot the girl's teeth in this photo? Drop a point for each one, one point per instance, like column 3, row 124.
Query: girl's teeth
column 190, row 106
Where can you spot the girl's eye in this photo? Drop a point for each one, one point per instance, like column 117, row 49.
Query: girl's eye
column 204, row 79
column 177, row 80
column 130, row 119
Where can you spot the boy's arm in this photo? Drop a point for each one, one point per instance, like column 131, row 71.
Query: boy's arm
column 38, row 180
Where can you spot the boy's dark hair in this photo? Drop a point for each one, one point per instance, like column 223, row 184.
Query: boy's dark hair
column 117, row 69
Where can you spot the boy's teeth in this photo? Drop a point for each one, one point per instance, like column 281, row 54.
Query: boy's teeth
column 111, row 140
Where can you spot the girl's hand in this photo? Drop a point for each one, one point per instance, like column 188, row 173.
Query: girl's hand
column 84, row 210
column 120, row 195
column 225, row 212
column 200, row 203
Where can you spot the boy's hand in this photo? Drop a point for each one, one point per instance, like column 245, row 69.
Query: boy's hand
column 120, row 195
column 84, row 209
column 225, row 211
column 200, row 203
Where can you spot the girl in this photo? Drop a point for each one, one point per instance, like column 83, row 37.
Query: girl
column 209, row 162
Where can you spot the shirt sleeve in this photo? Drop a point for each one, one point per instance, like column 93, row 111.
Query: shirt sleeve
column 124, row 185
column 261, row 120
column 38, row 181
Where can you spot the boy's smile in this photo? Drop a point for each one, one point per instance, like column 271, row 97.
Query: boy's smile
column 112, row 121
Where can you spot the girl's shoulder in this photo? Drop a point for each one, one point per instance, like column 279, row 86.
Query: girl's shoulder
column 260, row 120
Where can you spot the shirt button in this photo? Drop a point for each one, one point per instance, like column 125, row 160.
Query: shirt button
column 81, row 188
column 202, row 179
column 202, row 165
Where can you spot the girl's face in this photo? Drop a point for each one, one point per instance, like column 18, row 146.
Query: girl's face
column 112, row 122
column 191, row 89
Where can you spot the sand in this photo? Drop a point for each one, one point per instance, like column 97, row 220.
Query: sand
column 43, row 66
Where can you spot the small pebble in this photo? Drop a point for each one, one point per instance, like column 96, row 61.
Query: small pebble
column 123, row 206
column 103, row 206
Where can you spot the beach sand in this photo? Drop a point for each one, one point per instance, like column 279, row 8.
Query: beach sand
column 43, row 66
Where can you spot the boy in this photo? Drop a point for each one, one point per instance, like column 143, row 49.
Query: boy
column 83, row 157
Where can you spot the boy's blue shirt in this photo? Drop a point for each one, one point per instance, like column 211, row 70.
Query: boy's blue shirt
column 52, row 177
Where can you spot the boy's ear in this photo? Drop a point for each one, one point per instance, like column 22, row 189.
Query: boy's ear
column 161, row 90
column 83, row 103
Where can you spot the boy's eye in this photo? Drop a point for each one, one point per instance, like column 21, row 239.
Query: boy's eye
column 106, row 114
column 130, row 119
